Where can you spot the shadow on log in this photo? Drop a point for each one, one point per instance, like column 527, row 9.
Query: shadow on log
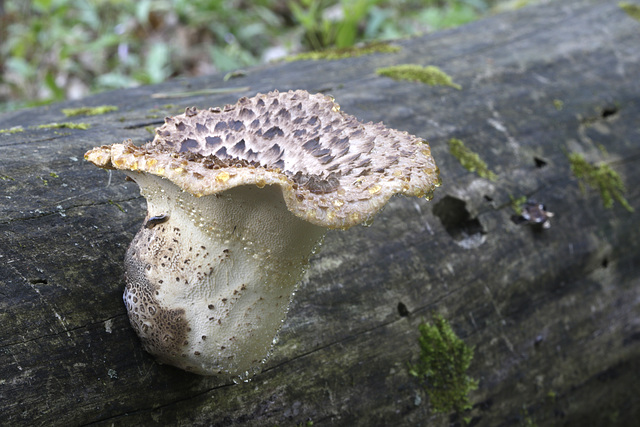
column 553, row 314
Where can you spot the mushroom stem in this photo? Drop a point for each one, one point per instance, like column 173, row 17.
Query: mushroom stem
column 209, row 286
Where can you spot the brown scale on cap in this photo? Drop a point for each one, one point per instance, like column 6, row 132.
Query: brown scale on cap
column 238, row 199
column 334, row 170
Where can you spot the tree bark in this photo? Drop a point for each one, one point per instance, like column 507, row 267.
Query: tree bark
column 553, row 314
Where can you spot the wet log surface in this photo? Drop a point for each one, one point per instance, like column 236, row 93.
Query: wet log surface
column 554, row 315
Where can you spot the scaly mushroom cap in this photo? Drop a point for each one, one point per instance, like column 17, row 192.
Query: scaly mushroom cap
column 334, row 171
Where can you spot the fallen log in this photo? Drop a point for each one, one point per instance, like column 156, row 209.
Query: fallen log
column 549, row 102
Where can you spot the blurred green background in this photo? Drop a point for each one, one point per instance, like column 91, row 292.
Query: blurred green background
column 52, row 50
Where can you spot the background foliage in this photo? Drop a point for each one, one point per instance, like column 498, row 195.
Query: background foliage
column 58, row 49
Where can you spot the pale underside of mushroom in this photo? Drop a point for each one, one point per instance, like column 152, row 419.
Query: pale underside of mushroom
column 238, row 199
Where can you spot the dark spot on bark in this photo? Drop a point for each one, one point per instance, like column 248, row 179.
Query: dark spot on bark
column 402, row 309
column 456, row 219
column 540, row 163
column 609, row 111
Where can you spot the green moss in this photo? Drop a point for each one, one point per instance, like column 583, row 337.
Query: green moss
column 470, row 160
column 89, row 111
column 519, row 4
column 111, row 202
column 11, row 131
column 516, row 204
column 526, row 420
column 68, row 125
column 442, row 367
column 633, row 10
column 600, row 177
column 234, row 75
column 558, row 104
column 430, row 75
column 603, row 150
column 345, row 52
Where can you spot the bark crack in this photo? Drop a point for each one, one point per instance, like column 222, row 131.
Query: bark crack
column 62, row 210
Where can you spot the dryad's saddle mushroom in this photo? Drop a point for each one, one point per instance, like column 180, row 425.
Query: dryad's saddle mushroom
column 238, row 198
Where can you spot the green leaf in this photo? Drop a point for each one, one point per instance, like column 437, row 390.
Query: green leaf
column 142, row 11
column 157, row 63
column 114, row 80
column 42, row 6
column 50, row 82
column 21, row 67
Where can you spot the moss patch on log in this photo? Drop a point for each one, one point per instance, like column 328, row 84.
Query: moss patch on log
column 602, row 178
column 633, row 10
column 433, row 76
column 89, row 111
column 11, row 131
column 345, row 52
column 470, row 160
column 559, row 104
column 442, row 367
column 517, row 203
column 67, row 125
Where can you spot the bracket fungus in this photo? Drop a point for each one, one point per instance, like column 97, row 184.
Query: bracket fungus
column 238, row 198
